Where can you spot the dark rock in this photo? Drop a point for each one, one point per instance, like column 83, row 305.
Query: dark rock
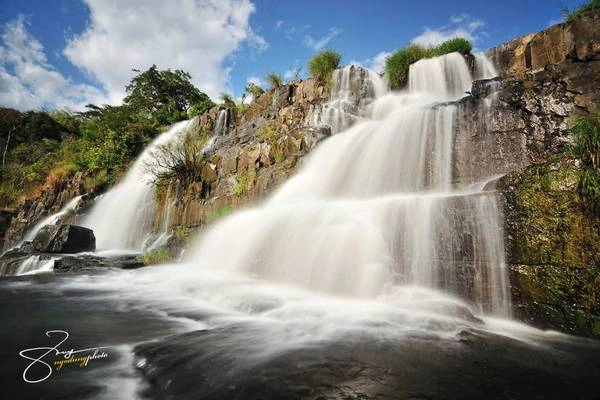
column 64, row 239
column 90, row 263
column 223, row 364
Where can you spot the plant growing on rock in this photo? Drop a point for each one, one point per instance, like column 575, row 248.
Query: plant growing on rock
column 254, row 90
column 158, row 256
column 275, row 80
column 589, row 5
column 179, row 160
column 227, row 100
column 585, row 134
column 398, row 64
column 322, row 65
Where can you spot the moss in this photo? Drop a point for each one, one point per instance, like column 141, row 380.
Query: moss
column 556, row 245
column 158, row 256
column 182, row 231
column 242, row 185
column 221, row 212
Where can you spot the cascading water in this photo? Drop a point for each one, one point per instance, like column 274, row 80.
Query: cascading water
column 219, row 129
column 352, row 90
column 123, row 217
column 373, row 208
column 69, row 208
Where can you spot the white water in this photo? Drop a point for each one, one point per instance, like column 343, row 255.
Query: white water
column 219, row 129
column 70, row 207
column 123, row 217
column 373, row 209
column 35, row 265
column 352, row 90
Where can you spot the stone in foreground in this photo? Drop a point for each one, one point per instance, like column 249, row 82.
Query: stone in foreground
column 64, row 239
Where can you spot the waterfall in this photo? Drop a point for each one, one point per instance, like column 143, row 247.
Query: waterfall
column 352, row 90
column 35, row 265
column 123, row 217
column 219, row 129
column 374, row 207
column 70, row 207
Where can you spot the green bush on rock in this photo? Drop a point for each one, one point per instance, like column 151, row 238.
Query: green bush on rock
column 587, row 6
column 322, row 65
column 397, row 65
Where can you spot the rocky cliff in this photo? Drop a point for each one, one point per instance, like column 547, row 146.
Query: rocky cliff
column 261, row 147
column 548, row 79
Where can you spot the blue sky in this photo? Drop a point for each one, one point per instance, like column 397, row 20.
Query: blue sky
column 66, row 53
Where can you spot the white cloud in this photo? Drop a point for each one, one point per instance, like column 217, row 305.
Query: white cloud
column 28, row 81
column 256, row 80
column 278, row 24
column 318, row 44
column 196, row 36
column 376, row 63
column 462, row 25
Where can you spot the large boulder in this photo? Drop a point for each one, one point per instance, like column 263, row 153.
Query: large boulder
column 64, row 239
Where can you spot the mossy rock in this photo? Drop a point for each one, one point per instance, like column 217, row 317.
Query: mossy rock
column 554, row 248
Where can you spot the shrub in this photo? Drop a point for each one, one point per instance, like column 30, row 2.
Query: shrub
column 322, row 65
column 179, row 159
column 398, row 64
column 182, row 231
column 275, row 80
column 254, row 90
column 585, row 133
column 459, row 45
column 158, row 256
column 267, row 134
column 587, row 6
column 242, row 185
column 227, row 100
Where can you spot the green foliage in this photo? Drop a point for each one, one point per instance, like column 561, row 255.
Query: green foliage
column 254, row 89
column 200, row 107
column 397, row 65
column 590, row 5
column 242, row 185
column 267, row 134
column 227, row 100
column 322, row 65
column 221, row 212
column 179, row 160
column 163, row 96
column 279, row 155
column 38, row 147
column 182, row 231
column 275, row 80
column 585, row 134
column 158, row 256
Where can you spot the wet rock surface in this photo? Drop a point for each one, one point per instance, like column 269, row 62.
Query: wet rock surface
column 553, row 246
column 64, row 238
column 215, row 364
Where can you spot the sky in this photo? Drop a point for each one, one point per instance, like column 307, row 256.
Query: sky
column 67, row 53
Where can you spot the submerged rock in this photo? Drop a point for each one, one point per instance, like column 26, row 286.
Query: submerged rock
column 64, row 239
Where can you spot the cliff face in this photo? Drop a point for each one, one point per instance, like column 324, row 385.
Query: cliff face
column 262, row 146
column 51, row 197
column 553, row 244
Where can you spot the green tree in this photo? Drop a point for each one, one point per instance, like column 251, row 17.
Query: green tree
column 164, row 96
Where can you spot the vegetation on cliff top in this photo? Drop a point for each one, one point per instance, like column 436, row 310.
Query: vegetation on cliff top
column 322, row 65
column 590, row 5
column 40, row 147
column 398, row 64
